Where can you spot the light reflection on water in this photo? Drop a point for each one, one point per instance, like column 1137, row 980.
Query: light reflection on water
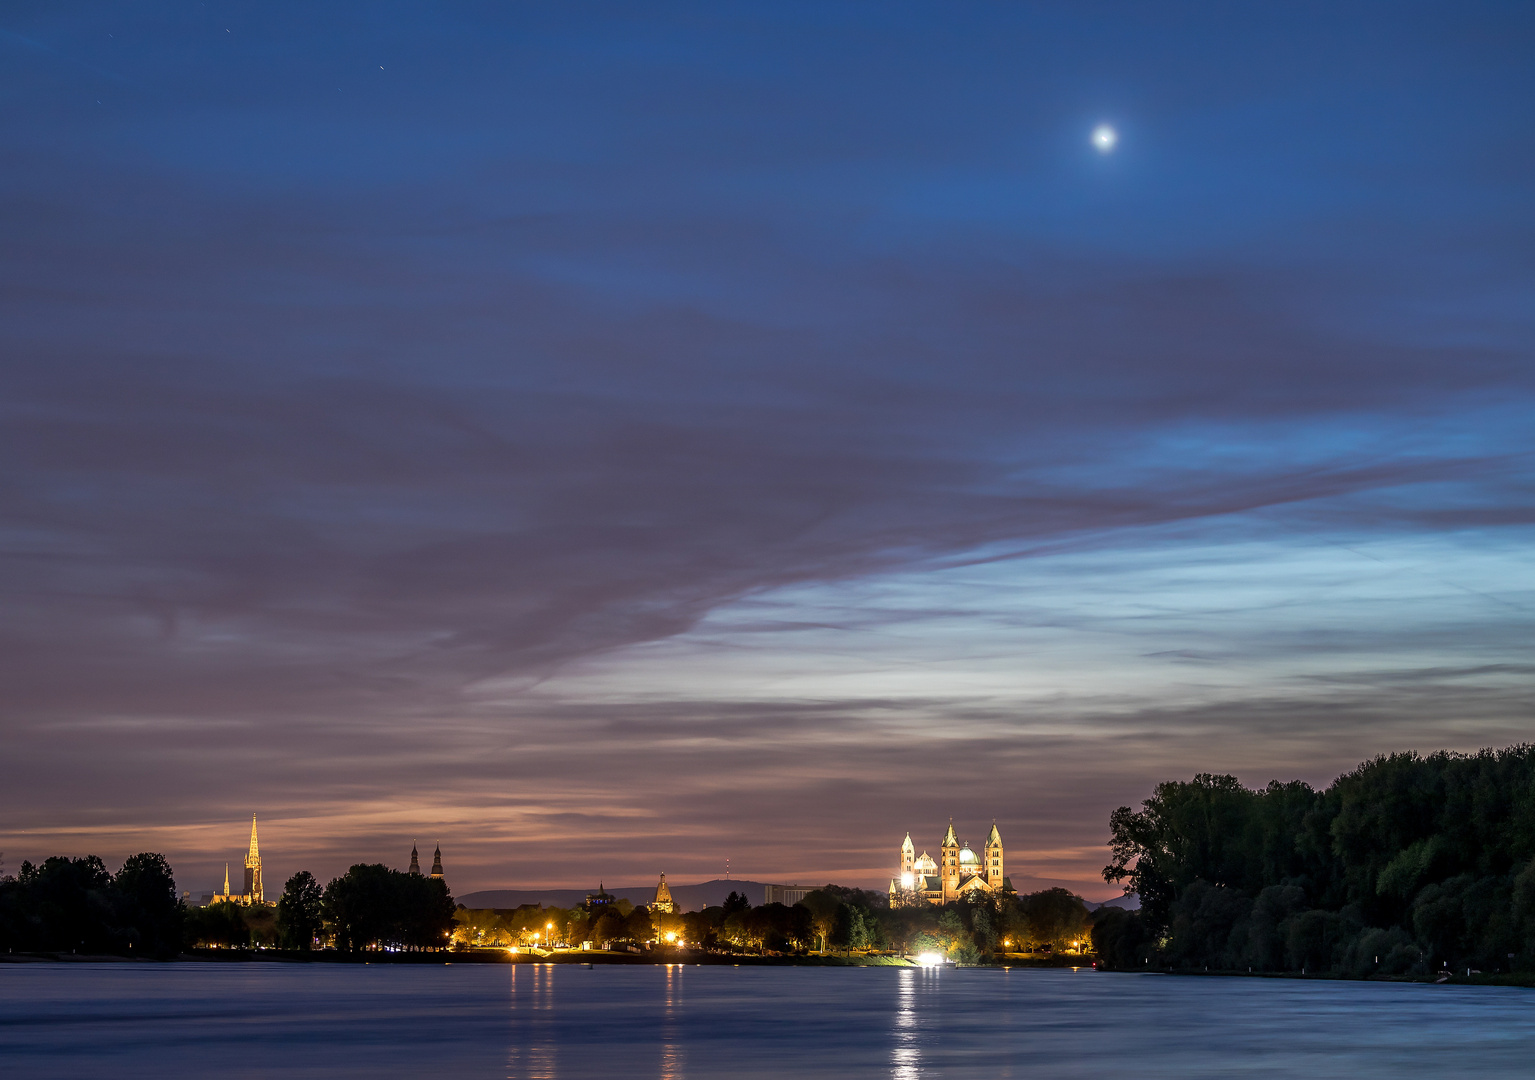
column 546, row 1022
column 905, row 1055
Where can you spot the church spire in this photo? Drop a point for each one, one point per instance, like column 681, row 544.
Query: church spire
column 415, row 860
column 226, row 879
column 254, row 857
column 253, row 892
column 437, row 863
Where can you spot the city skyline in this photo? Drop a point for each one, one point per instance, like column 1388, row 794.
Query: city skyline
column 606, row 442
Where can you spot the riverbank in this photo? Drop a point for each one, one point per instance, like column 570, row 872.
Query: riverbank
column 536, row 956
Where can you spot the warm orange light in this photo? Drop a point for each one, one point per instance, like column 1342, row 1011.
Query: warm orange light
column 670, row 936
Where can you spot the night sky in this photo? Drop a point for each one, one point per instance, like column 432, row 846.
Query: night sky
column 610, row 442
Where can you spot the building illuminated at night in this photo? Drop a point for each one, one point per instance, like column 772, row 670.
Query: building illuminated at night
column 958, row 874
column 254, row 893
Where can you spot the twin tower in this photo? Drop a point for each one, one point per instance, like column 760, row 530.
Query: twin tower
column 960, row 873
column 415, row 862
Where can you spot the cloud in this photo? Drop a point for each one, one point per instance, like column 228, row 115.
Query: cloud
column 446, row 450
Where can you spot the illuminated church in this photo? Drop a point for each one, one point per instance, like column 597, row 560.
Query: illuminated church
column 253, row 893
column 958, row 874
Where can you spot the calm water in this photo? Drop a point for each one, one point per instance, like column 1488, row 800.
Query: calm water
column 130, row 1020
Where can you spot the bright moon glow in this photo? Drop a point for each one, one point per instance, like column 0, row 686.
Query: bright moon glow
column 1104, row 138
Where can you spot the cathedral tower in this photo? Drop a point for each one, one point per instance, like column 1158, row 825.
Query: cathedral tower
column 253, row 893
column 437, row 863
column 662, row 904
column 948, row 864
column 415, row 861
column 993, row 857
column 908, row 857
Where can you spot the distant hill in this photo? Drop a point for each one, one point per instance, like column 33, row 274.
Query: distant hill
column 687, row 897
column 1129, row 901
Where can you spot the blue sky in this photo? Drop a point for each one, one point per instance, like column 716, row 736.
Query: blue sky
column 725, row 431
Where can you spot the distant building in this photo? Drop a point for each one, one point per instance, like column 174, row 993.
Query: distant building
column 958, row 873
column 787, row 895
column 415, row 862
column 662, row 904
column 254, row 894
column 599, row 899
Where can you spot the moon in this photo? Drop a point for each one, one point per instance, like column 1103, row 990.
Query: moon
column 1104, row 138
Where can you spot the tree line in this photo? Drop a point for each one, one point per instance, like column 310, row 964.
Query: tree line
column 76, row 905
column 830, row 919
column 369, row 907
column 1407, row 865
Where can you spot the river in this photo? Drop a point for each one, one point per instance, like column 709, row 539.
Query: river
column 567, row 1022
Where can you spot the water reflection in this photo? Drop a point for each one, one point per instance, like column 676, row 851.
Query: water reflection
column 532, row 1054
column 321, row 1021
column 671, row 1046
column 905, row 1054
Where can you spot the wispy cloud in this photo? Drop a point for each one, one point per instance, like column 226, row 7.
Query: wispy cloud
column 511, row 426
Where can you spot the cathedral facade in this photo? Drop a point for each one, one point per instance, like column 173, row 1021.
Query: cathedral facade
column 957, row 874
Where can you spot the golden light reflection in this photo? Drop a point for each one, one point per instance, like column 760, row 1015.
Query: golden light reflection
column 671, row 1047
column 905, row 1055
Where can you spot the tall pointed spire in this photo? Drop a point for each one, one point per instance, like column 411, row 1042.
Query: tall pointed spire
column 253, row 890
column 437, row 862
column 226, row 879
column 415, row 860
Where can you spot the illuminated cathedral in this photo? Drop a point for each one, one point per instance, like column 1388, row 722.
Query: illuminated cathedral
column 253, row 893
column 958, row 874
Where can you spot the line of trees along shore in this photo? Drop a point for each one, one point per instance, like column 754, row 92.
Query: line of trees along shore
column 833, row 918
column 369, row 907
column 1406, row 866
column 75, row 905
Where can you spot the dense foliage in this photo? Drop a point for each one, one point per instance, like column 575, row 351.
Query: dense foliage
column 75, row 905
column 300, row 912
column 1408, row 864
column 831, row 919
column 372, row 906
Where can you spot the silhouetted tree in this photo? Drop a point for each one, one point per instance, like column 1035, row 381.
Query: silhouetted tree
column 149, row 913
column 299, row 912
column 372, row 906
column 1407, row 863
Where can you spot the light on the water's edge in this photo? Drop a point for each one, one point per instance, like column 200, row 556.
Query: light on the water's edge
column 930, row 959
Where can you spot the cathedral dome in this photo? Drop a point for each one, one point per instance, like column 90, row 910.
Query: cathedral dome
column 967, row 857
